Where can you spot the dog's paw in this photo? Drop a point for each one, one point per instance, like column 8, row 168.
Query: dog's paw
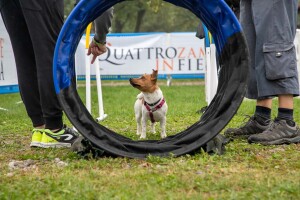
column 138, row 133
column 163, row 135
column 143, row 137
column 153, row 130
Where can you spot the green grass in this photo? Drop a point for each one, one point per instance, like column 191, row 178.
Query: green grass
column 244, row 172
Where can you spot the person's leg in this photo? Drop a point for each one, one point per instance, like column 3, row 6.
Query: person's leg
column 260, row 120
column 25, row 60
column 283, row 129
column 281, row 71
column 263, row 110
column 286, row 108
column 44, row 19
column 267, row 103
column 247, row 23
column 257, row 123
column 16, row 26
column 286, row 101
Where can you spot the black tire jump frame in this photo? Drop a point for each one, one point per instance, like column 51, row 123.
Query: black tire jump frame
column 233, row 58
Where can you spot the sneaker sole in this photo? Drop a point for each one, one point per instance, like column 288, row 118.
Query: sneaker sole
column 35, row 144
column 280, row 141
column 56, row 145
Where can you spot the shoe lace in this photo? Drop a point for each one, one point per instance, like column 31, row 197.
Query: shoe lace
column 274, row 124
column 71, row 130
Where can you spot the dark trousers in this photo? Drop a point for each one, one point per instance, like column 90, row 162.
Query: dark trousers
column 33, row 27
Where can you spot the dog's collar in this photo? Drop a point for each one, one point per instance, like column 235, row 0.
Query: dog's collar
column 152, row 104
column 151, row 110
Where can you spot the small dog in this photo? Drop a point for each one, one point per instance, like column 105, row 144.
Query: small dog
column 150, row 104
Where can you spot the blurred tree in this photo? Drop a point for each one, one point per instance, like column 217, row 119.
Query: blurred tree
column 69, row 5
column 142, row 16
column 129, row 13
column 148, row 16
column 155, row 4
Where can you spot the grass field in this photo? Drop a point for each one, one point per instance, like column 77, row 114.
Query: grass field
column 246, row 171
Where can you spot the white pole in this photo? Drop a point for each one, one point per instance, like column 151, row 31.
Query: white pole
column 214, row 72
column 88, row 82
column 168, row 44
column 102, row 116
column 76, row 61
column 88, row 70
column 207, row 75
column 211, row 74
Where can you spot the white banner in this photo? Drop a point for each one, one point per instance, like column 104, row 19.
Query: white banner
column 178, row 54
column 8, row 74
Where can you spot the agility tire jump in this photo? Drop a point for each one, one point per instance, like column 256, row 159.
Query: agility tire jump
column 233, row 59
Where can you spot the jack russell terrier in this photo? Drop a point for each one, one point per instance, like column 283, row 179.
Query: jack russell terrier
column 150, row 104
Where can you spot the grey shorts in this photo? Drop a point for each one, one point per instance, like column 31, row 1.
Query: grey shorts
column 270, row 28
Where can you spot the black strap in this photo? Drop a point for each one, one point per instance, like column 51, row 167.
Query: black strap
column 153, row 104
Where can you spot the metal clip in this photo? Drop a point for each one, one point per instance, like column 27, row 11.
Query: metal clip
column 278, row 54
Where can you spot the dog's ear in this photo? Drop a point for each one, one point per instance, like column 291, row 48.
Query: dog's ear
column 154, row 75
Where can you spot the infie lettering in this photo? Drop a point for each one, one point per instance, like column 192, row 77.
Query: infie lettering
column 165, row 58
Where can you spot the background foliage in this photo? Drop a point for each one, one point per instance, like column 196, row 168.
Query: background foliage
column 148, row 16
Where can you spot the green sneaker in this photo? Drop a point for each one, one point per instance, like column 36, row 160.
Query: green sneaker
column 63, row 138
column 36, row 137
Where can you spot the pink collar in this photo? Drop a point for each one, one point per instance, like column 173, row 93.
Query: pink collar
column 155, row 108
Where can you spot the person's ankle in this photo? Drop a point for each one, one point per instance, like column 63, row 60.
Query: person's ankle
column 55, row 130
column 262, row 120
column 40, row 127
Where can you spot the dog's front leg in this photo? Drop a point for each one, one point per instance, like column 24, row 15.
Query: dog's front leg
column 139, row 125
column 153, row 127
column 139, row 128
column 138, row 115
column 163, row 127
column 144, row 125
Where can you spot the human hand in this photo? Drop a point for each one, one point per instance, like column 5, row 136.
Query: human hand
column 96, row 49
